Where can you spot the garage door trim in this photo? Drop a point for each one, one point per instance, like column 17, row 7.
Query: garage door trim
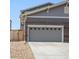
column 49, row 26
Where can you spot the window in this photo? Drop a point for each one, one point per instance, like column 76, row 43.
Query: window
column 38, row 28
column 30, row 28
column 59, row 28
column 51, row 28
column 42, row 28
column 55, row 28
column 47, row 28
column 34, row 28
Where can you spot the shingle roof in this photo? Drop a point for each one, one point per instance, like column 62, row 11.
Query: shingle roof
column 42, row 7
column 36, row 7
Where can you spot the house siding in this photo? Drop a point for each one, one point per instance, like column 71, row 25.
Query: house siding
column 56, row 11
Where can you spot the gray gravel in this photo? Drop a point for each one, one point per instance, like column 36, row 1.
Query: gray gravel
column 20, row 50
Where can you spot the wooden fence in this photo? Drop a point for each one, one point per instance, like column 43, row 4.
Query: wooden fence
column 16, row 35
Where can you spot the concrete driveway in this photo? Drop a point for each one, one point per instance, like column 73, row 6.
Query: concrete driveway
column 50, row 50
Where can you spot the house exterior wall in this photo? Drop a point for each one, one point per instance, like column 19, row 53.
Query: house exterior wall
column 50, row 21
column 57, row 11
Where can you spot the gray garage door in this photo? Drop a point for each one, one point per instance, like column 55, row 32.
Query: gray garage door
column 45, row 34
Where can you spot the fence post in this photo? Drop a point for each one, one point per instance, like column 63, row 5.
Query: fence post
column 18, row 35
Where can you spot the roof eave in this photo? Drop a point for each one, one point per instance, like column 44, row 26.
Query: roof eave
column 44, row 8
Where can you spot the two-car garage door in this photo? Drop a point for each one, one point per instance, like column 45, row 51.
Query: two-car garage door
column 44, row 33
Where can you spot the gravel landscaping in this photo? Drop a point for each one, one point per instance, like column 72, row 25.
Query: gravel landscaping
column 20, row 50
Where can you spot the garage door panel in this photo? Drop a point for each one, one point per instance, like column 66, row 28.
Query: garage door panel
column 45, row 34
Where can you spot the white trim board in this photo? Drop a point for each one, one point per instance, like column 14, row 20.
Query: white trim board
column 48, row 17
column 49, row 26
column 45, row 25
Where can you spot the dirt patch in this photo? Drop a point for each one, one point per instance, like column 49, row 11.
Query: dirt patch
column 20, row 50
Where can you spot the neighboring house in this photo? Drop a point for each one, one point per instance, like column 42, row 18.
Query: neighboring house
column 46, row 23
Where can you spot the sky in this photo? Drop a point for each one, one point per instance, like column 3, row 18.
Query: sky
column 17, row 5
